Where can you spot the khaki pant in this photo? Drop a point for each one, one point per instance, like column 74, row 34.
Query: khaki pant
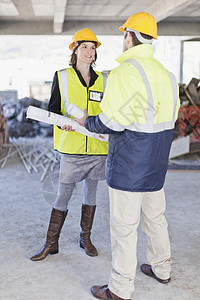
column 125, row 208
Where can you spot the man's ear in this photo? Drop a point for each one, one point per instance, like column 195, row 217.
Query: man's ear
column 129, row 39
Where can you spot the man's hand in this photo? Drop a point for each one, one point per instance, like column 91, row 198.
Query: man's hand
column 82, row 120
column 67, row 128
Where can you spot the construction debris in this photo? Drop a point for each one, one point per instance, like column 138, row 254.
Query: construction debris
column 26, row 138
column 35, row 154
column 4, row 137
column 188, row 123
column 18, row 124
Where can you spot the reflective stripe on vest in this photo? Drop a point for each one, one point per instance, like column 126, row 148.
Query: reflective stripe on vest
column 175, row 91
column 150, row 127
column 64, row 87
column 104, row 80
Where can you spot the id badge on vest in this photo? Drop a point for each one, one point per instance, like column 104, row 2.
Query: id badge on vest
column 95, row 96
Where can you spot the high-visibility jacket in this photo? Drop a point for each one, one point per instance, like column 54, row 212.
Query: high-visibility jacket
column 140, row 107
column 73, row 91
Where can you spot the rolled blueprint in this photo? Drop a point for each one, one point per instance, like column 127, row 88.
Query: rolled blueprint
column 75, row 111
column 48, row 117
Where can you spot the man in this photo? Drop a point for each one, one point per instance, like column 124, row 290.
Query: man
column 139, row 109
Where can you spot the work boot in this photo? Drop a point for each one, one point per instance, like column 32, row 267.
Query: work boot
column 55, row 225
column 103, row 292
column 87, row 217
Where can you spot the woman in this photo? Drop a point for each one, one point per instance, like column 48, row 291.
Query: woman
column 82, row 157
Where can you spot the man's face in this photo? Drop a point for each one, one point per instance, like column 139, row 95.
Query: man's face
column 125, row 46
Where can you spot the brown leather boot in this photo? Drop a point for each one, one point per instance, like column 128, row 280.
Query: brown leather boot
column 55, row 225
column 87, row 217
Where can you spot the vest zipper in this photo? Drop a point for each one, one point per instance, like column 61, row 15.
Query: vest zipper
column 87, row 110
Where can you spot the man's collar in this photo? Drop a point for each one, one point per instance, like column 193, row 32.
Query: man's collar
column 142, row 50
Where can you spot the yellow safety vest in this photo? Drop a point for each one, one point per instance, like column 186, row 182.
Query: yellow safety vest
column 72, row 91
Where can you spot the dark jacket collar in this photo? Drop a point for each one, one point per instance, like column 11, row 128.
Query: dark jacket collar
column 93, row 78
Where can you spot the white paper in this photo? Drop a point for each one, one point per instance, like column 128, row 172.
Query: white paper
column 48, row 117
column 75, row 111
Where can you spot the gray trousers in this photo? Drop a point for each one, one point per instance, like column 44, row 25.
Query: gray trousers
column 65, row 191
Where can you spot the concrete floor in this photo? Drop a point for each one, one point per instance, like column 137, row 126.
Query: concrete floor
column 24, row 214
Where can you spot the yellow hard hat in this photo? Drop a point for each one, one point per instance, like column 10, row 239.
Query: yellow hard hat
column 142, row 22
column 84, row 34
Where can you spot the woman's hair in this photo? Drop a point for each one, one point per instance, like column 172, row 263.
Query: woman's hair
column 73, row 59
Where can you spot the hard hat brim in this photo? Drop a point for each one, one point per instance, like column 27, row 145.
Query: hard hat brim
column 122, row 28
column 71, row 46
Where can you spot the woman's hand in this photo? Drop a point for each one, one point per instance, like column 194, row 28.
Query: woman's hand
column 67, row 128
column 82, row 120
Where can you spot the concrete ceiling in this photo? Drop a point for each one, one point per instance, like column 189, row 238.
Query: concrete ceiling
column 175, row 17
